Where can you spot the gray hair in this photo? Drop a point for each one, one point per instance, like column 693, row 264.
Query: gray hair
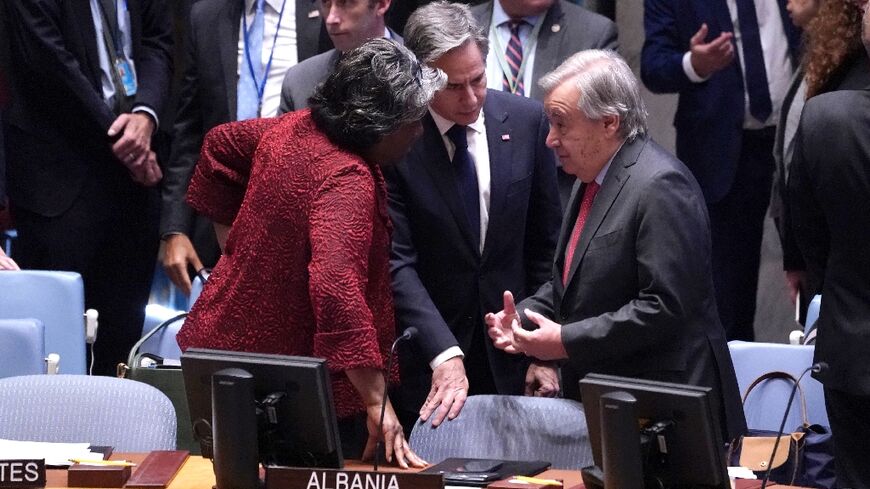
column 375, row 89
column 438, row 27
column 607, row 87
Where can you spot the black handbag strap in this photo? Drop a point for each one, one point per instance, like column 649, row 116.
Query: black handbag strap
column 776, row 374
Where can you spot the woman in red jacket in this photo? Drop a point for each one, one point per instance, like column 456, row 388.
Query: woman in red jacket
column 305, row 269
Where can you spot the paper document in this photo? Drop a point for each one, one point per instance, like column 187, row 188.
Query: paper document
column 53, row 453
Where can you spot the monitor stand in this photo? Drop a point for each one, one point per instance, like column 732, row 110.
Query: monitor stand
column 234, row 421
column 620, row 446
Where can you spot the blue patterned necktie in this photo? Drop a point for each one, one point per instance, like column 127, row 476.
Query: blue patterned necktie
column 760, row 105
column 514, row 57
column 248, row 94
column 466, row 178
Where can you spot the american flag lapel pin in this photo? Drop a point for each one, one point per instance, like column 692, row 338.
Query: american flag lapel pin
column 505, row 137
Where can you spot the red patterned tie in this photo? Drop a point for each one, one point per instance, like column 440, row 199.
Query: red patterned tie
column 514, row 57
column 588, row 196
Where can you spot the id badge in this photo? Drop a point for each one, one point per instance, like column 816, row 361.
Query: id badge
column 127, row 77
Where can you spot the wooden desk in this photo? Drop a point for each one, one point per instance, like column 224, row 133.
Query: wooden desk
column 197, row 473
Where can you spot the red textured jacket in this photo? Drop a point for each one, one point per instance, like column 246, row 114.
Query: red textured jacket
column 306, row 265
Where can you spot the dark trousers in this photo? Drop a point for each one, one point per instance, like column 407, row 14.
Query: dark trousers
column 850, row 427
column 109, row 236
column 737, row 223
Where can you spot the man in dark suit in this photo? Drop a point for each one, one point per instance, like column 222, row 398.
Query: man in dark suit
column 215, row 61
column 475, row 211
column 731, row 88
column 523, row 51
column 631, row 292
column 349, row 23
column 828, row 186
column 90, row 79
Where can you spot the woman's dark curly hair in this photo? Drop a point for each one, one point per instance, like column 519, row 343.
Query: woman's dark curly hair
column 833, row 38
column 375, row 89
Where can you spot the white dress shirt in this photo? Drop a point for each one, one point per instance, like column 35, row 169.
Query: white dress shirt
column 500, row 28
column 286, row 54
column 479, row 150
column 777, row 63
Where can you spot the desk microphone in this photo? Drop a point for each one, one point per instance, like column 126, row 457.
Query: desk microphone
column 815, row 368
column 409, row 333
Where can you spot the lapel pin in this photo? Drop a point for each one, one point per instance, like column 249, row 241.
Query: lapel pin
column 313, row 14
column 556, row 28
column 505, row 137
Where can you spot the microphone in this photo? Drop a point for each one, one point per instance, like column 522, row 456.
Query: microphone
column 815, row 368
column 408, row 334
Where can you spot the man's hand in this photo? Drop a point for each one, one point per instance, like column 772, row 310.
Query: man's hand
column 544, row 343
column 178, row 255
column 393, row 436
column 133, row 145
column 708, row 58
column 499, row 325
column 795, row 280
column 147, row 172
column 448, row 393
column 542, row 380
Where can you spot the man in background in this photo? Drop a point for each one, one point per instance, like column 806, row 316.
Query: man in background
column 236, row 55
column 731, row 83
column 90, row 80
column 349, row 24
column 529, row 38
column 475, row 211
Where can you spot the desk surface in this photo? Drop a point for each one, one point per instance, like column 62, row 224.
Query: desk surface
column 197, row 473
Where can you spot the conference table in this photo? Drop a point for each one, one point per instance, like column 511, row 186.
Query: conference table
column 197, row 473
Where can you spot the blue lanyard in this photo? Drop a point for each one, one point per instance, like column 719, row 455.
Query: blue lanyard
column 261, row 86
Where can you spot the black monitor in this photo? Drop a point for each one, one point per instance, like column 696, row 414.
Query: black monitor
column 652, row 434
column 293, row 420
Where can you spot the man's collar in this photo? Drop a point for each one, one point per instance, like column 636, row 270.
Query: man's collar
column 599, row 179
column 444, row 124
column 250, row 5
column 499, row 16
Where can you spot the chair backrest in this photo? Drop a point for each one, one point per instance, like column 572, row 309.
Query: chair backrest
column 510, row 428
column 766, row 405
column 812, row 316
column 163, row 342
column 22, row 347
column 195, row 289
column 105, row 411
column 58, row 300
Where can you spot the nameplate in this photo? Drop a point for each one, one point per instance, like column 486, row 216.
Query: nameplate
column 22, row 473
column 299, row 478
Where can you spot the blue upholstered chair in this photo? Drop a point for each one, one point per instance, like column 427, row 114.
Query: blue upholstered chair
column 510, row 428
column 22, row 347
column 766, row 405
column 106, row 411
column 163, row 342
column 58, row 300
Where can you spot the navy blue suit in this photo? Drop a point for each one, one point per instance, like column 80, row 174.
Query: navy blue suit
column 443, row 285
column 733, row 166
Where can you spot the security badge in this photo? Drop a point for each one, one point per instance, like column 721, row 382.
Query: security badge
column 127, row 77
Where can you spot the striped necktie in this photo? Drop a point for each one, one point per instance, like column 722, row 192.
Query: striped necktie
column 514, row 57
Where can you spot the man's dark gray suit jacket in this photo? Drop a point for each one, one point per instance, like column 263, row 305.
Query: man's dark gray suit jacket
column 208, row 95
column 828, row 190
column 443, row 284
column 639, row 298
column 300, row 80
column 567, row 29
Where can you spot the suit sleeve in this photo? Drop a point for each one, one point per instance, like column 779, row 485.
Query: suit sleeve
column 661, row 59
column 340, row 247
column 542, row 224
column 286, row 104
column 176, row 216
column 672, row 247
column 805, row 217
column 221, row 176
column 44, row 49
column 609, row 39
column 413, row 305
column 154, row 60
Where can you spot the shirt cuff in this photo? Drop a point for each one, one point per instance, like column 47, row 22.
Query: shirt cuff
column 690, row 71
column 453, row 351
column 149, row 111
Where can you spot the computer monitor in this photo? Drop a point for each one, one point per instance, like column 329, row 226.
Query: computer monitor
column 652, row 434
column 292, row 397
